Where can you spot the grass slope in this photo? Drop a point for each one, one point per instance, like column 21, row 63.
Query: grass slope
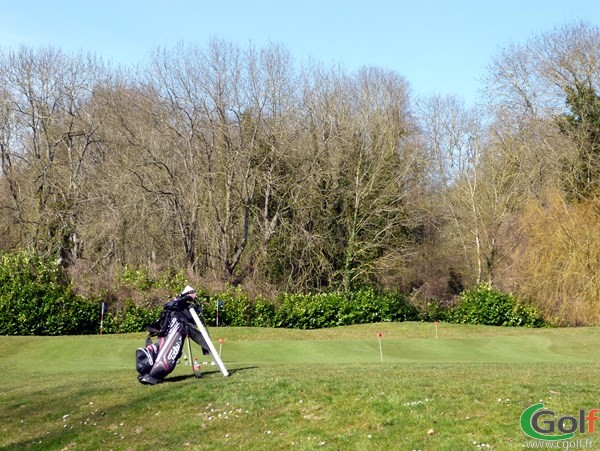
column 323, row 389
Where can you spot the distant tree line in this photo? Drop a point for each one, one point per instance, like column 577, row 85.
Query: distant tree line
column 244, row 168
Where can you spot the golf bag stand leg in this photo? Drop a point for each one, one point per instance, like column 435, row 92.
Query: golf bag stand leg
column 211, row 347
column 189, row 351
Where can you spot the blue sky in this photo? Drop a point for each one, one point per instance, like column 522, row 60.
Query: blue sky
column 439, row 47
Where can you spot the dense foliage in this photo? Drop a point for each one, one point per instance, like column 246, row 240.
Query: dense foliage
column 36, row 300
column 487, row 306
column 309, row 311
column 131, row 318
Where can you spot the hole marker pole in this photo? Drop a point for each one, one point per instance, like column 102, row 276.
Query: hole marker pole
column 102, row 310
column 379, row 335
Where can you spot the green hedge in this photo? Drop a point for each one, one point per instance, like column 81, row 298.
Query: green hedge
column 481, row 305
column 298, row 311
column 315, row 311
column 131, row 318
column 36, row 300
column 491, row 307
column 307, row 311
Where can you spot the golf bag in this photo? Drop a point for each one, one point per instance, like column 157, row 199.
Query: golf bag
column 175, row 324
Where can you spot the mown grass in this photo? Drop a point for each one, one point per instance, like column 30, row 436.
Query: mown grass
column 324, row 389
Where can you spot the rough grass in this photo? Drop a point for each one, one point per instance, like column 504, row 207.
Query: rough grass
column 324, row 389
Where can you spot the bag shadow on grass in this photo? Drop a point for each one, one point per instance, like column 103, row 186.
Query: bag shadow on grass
column 183, row 377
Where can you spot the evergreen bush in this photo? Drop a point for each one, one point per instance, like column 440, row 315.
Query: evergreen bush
column 35, row 299
column 488, row 306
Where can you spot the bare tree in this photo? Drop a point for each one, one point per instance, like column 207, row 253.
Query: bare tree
column 208, row 137
column 544, row 96
column 46, row 95
column 477, row 177
column 548, row 87
column 359, row 177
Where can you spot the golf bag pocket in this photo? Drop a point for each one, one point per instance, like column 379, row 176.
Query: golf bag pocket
column 145, row 358
column 169, row 351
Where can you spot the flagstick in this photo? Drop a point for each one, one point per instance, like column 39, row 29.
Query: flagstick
column 101, row 318
column 380, row 349
column 436, row 329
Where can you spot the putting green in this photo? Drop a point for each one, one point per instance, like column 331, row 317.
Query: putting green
column 529, row 349
column 401, row 342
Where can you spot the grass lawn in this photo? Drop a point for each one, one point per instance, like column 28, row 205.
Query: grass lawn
column 319, row 389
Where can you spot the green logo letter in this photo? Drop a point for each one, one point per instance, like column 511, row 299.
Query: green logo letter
column 531, row 430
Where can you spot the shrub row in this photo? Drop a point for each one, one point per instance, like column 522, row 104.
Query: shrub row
column 482, row 305
column 309, row 311
column 35, row 299
column 490, row 307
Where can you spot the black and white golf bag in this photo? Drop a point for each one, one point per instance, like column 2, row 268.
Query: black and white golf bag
column 175, row 324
